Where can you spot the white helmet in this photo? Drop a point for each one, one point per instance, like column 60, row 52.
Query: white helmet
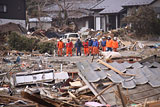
column 103, row 37
column 95, row 38
column 60, row 39
column 115, row 38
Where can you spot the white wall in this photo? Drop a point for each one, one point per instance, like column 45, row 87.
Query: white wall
column 44, row 27
column 87, row 24
column 98, row 23
column 103, row 23
column 5, row 21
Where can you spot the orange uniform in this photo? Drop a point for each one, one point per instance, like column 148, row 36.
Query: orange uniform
column 109, row 43
column 60, row 46
column 90, row 49
column 86, row 51
column 69, row 47
column 115, row 45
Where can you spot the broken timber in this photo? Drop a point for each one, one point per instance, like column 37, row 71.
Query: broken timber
column 91, row 87
column 101, row 92
column 114, row 69
column 37, row 99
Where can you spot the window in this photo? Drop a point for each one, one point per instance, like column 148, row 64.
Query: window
column 158, row 16
column 3, row 8
column 73, row 35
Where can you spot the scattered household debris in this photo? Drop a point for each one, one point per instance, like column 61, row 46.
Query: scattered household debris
column 129, row 77
column 33, row 77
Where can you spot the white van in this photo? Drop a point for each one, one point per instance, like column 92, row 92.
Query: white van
column 71, row 36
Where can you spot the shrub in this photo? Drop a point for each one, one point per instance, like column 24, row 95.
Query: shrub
column 144, row 21
column 46, row 47
column 21, row 43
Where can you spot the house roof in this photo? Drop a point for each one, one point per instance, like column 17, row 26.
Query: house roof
column 71, row 5
column 138, row 2
column 143, row 74
column 76, row 9
column 146, row 83
column 109, row 6
column 72, row 14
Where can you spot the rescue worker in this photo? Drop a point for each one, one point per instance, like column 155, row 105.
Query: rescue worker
column 85, row 45
column 90, row 49
column 78, row 46
column 109, row 43
column 95, row 46
column 115, row 44
column 60, row 46
column 97, row 52
column 69, row 46
column 103, row 44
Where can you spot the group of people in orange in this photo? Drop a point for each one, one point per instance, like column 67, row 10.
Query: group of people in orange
column 91, row 46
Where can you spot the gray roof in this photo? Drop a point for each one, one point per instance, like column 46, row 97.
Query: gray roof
column 138, row 2
column 76, row 9
column 144, row 74
column 109, row 6
column 71, row 5
column 72, row 14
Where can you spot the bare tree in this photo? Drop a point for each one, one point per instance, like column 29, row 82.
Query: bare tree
column 38, row 6
column 64, row 7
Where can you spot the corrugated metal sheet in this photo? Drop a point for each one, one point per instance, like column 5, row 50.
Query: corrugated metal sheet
column 138, row 2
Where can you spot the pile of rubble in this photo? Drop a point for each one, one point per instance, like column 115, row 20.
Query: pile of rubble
column 40, row 80
column 12, row 27
column 31, row 79
column 129, row 77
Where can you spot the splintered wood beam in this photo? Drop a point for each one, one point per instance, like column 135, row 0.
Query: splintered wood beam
column 114, row 69
column 121, row 97
column 74, row 98
column 37, row 99
column 101, row 92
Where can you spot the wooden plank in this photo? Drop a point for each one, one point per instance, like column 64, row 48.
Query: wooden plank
column 100, row 98
column 121, row 97
column 154, row 104
column 37, row 99
column 114, row 69
column 101, row 92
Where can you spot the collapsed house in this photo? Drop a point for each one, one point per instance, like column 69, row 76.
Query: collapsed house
column 136, row 82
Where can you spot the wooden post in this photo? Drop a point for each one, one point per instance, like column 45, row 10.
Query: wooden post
column 121, row 97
